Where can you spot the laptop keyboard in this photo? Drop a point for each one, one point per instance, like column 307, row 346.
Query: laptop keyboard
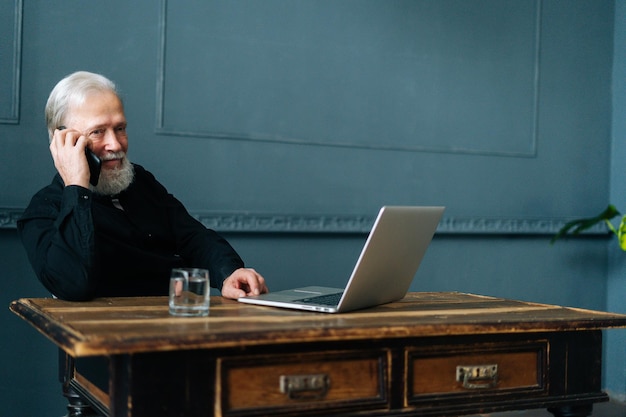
column 327, row 299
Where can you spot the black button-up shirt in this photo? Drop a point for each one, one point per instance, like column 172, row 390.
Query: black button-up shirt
column 83, row 245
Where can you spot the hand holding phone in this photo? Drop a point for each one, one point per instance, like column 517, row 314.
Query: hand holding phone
column 94, row 163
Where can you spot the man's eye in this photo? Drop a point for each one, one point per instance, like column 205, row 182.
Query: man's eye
column 97, row 132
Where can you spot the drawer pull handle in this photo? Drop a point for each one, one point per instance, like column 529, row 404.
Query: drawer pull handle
column 305, row 387
column 477, row 376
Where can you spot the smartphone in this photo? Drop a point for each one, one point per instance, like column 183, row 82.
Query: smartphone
column 94, row 164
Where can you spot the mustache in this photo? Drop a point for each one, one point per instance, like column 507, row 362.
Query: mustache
column 113, row 155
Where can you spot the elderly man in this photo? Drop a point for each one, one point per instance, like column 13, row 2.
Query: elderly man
column 122, row 236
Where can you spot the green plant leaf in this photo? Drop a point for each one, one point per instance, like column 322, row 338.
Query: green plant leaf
column 574, row 227
column 621, row 234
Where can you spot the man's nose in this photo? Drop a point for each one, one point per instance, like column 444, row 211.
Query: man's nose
column 111, row 141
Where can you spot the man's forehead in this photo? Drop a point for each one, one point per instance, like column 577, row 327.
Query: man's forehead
column 99, row 107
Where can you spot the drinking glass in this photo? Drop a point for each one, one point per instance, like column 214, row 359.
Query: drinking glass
column 189, row 292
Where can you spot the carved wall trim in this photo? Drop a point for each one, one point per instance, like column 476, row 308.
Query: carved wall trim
column 10, row 64
column 244, row 222
column 8, row 217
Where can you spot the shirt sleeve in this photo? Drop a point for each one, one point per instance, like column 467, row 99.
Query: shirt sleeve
column 58, row 236
column 196, row 244
column 206, row 248
column 203, row 247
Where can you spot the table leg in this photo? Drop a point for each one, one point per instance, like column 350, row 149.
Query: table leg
column 572, row 411
column 76, row 405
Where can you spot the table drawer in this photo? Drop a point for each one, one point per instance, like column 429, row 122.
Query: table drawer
column 314, row 382
column 474, row 371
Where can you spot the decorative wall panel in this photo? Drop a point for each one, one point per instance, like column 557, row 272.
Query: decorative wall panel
column 10, row 60
column 404, row 75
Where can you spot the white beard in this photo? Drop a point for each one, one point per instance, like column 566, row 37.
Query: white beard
column 114, row 181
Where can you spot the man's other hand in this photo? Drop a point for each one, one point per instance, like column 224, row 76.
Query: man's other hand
column 242, row 283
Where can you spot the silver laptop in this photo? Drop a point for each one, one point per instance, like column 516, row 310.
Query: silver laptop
column 383, row 272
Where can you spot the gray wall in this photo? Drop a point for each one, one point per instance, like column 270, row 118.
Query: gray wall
column 286, row 124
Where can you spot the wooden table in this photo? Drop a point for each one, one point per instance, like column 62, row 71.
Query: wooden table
column 430, row 354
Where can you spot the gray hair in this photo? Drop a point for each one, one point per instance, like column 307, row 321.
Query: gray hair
column 72, row 90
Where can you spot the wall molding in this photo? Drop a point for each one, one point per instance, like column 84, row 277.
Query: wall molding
column 9, row 217
column 246, row 222
column 166, row 126
column 11, row 65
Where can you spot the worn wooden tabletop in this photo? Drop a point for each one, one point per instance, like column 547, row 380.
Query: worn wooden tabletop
column 128, row 325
